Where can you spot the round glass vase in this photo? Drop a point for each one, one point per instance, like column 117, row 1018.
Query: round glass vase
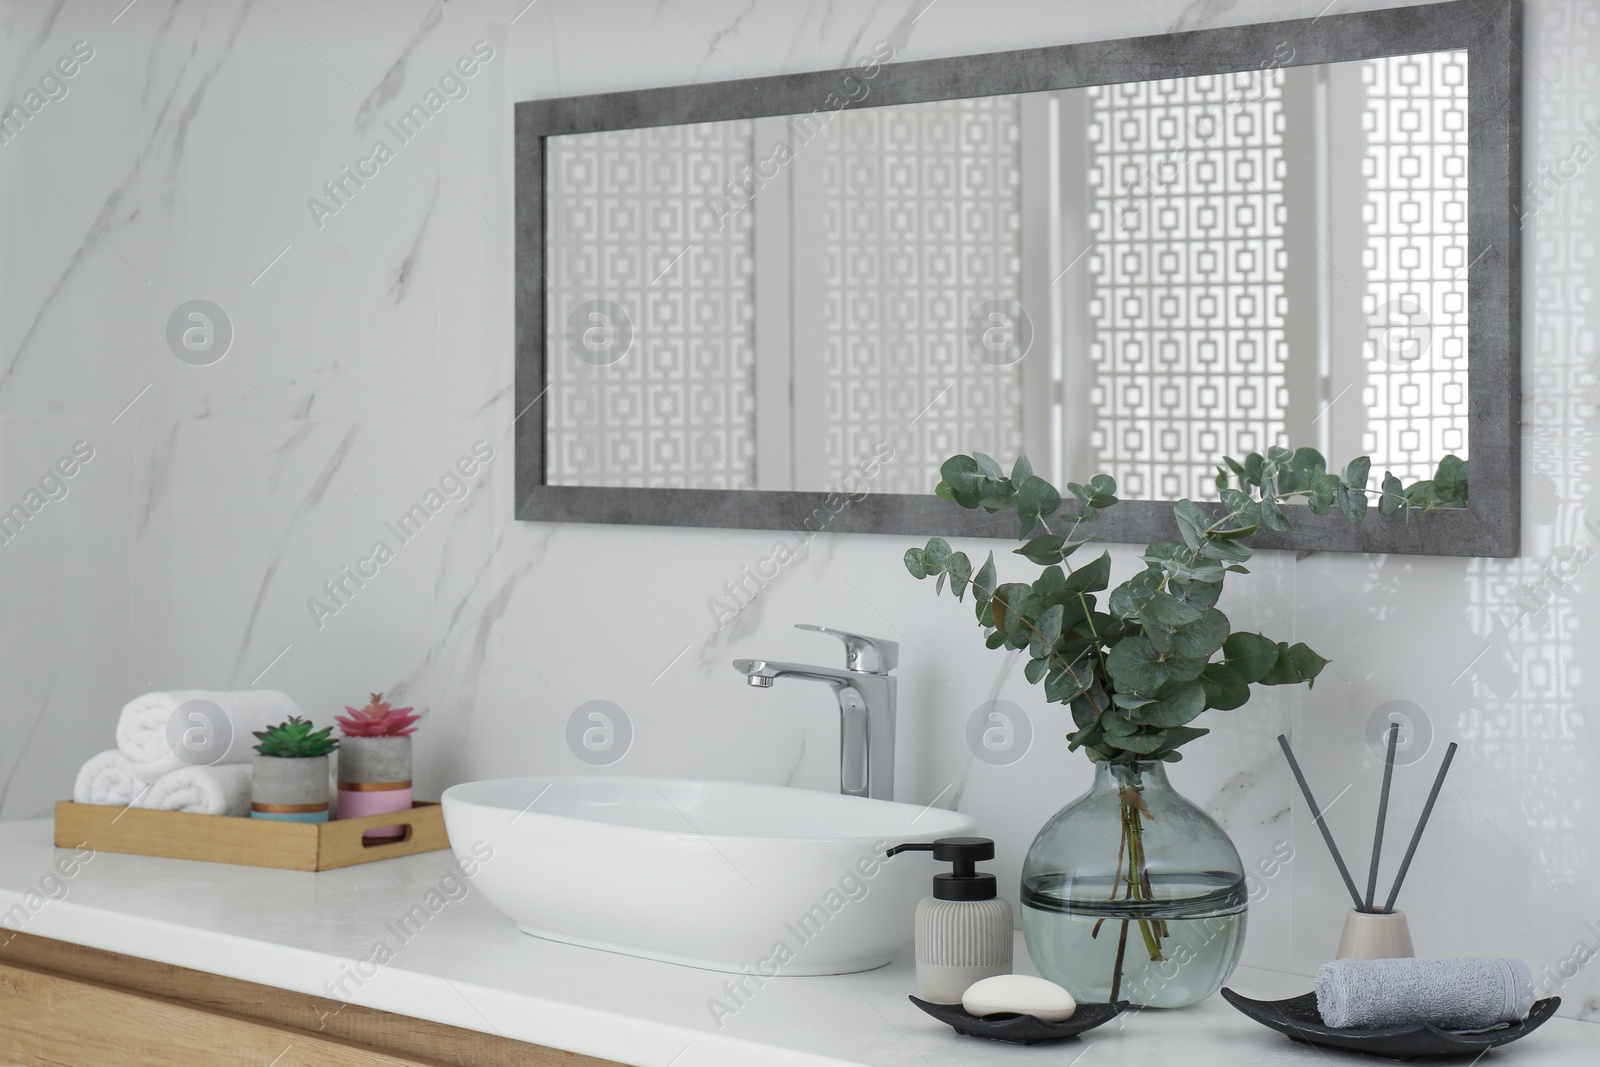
column 1133, row 893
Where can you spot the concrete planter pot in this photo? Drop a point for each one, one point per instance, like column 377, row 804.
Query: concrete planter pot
column 375, row 777
column 289, row 790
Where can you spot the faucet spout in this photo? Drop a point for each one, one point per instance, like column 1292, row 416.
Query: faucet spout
column 763, row 672
column 866, row 701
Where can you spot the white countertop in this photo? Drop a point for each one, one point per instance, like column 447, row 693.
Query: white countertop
column 468, row 966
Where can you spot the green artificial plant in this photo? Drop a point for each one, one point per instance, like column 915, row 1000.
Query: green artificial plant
column 1140, row 666
column 295, row 739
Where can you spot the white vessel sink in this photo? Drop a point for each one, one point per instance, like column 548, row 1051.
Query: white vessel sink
column 729, row 876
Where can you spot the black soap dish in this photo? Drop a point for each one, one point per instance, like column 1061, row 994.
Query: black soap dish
column 1299, row 1019
column 1021, row 1029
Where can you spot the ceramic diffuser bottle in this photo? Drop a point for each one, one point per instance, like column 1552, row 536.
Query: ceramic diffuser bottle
column 964, row 931
column 289, row 773
column 375, row 764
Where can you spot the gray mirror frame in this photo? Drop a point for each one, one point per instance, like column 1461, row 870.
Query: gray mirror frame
column 1490, row 30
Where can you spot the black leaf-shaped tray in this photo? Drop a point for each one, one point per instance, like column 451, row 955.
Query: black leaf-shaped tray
column 1021, row 1029
column 1299, row 1019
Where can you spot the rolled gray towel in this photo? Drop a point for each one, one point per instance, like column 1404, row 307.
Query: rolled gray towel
column 1461, row 993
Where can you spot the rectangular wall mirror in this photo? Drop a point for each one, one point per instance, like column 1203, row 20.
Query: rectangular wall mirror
column 784, row 303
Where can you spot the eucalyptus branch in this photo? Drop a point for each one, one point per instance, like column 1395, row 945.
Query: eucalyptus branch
column 1168, row 654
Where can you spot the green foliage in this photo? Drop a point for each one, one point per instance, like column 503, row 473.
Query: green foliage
column 1139, row 664
column 295, row 739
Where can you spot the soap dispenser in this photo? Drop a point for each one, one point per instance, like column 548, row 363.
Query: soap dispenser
column 964, row 931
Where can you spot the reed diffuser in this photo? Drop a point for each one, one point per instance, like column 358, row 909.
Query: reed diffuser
column 1370, row 931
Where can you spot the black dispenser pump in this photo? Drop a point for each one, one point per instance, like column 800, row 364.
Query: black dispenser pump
column 965, row 881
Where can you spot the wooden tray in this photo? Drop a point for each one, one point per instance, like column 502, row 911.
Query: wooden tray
column 295, row 846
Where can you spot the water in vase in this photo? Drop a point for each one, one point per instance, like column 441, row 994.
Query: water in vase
column 1195, row 924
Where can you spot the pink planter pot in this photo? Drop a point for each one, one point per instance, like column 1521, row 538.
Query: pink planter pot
column 375, row 778
column 354, row 803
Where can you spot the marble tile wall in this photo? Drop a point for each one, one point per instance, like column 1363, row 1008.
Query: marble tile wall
column 372, row 347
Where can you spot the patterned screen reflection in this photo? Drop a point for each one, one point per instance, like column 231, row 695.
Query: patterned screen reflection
column 1136, row 279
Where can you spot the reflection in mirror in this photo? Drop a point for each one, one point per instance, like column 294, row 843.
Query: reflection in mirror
column 1137, row 279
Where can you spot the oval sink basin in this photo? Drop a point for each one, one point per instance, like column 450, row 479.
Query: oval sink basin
column 730, row 876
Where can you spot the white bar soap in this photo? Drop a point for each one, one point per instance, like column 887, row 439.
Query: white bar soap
column 1020, row 994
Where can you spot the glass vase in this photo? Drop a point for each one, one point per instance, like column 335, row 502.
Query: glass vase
column 1133, row 893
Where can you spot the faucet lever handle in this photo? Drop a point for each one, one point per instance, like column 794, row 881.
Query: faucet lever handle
column 868, row 655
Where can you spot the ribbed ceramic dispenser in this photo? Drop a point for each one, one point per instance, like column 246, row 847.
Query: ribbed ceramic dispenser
column 964, row 931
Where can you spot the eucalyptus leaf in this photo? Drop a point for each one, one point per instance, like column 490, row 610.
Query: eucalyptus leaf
column 1251, row 655
column 1135, row 664
column 1084, row 713
column 1036, row 501
column 964, row 477
column 1184, row 704
column 1068, row 682
column 1283, row 671
column 1143, row 743
column 1325, row 489
column 1306, row 663
column 1169, row 611
column 1450, row 482
column 1043, row 550
column 1091, row 577
column 1201, row 639
column 1127, row 598
column 1221, row 548
column 1394, row 495
column 989, row 467
column 983, row 585
column 1182, row 735
column 1181, row 668
column 1225, row 687
column 1045, row 632
column 1354, row 506
column 1272, row 516
column 1197, row 593
column 1118, row 724
column 960, row 568
column 1010, row 605
column 1193, row 521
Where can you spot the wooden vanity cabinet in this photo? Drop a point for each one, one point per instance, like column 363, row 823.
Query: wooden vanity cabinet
column 64, row 1005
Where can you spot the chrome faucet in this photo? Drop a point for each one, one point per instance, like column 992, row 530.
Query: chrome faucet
column 865, row 691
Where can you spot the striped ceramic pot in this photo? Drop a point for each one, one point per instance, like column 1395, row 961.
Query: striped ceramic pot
column 289, row 789
column 374, row 778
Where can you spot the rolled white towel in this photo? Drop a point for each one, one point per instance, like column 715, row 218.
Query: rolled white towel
column 1463, row 993
column 142, row 729
column 108, row 778
column 220, row 790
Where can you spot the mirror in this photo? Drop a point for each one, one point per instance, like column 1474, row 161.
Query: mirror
column 1132, row 277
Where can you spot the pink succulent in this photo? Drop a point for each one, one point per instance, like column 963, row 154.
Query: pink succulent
column 377, row 719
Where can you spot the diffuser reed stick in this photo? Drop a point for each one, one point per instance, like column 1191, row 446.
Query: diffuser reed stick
column 1383, row 813
column 1316, row 816
column 1427, row 809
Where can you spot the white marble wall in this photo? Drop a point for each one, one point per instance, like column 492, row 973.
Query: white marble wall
column 374, row 350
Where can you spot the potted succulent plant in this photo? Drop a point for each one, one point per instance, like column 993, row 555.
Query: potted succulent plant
column 375, row 764
column 1137, row 668
column 289, row 775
